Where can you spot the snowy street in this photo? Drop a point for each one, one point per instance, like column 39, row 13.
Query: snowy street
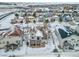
column 5, row 22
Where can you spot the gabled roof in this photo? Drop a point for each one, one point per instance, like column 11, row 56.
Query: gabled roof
column 17, row 32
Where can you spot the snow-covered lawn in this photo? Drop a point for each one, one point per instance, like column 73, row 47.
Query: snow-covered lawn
column 16, row 52
column 44, row 50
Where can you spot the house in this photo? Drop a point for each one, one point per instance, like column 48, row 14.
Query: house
column 19, row 20
column 40, row 12
column 77, row 29
column 11, row 36
column 34, row 38
column 67, row 17
column 36, row 44
column 31, row 18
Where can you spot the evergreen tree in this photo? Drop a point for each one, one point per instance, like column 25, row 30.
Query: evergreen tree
column 34, row 14
column 46, row 21
column 16, row 15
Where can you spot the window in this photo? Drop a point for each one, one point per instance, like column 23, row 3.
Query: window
column 38, row 38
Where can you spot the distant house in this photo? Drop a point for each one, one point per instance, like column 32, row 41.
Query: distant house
column 67, row 17
column 29, row 13
column 19, row 20
column 30, row 18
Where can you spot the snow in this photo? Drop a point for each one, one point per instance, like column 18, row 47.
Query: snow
column 57, row 25
column 16, row 52
column 24, row 50
column 5, row 22
column 1, row 13
column 39, row 33
column 44, row 50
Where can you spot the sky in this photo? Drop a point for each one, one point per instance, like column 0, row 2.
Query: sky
column 44, row 1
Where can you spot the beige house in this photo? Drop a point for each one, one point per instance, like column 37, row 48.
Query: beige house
column 30, row 18
column 11, row 36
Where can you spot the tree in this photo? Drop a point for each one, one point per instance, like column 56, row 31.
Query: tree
column 55, row 50
column 25, row 15
column 17, row 15
column 34, row 21
column 60, row 18
column 34, row 14
column 46, row 21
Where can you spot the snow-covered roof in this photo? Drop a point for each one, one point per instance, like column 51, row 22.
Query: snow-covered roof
column 56, row 26
column 31, row 17
column 20, row 17
column 39, row 33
